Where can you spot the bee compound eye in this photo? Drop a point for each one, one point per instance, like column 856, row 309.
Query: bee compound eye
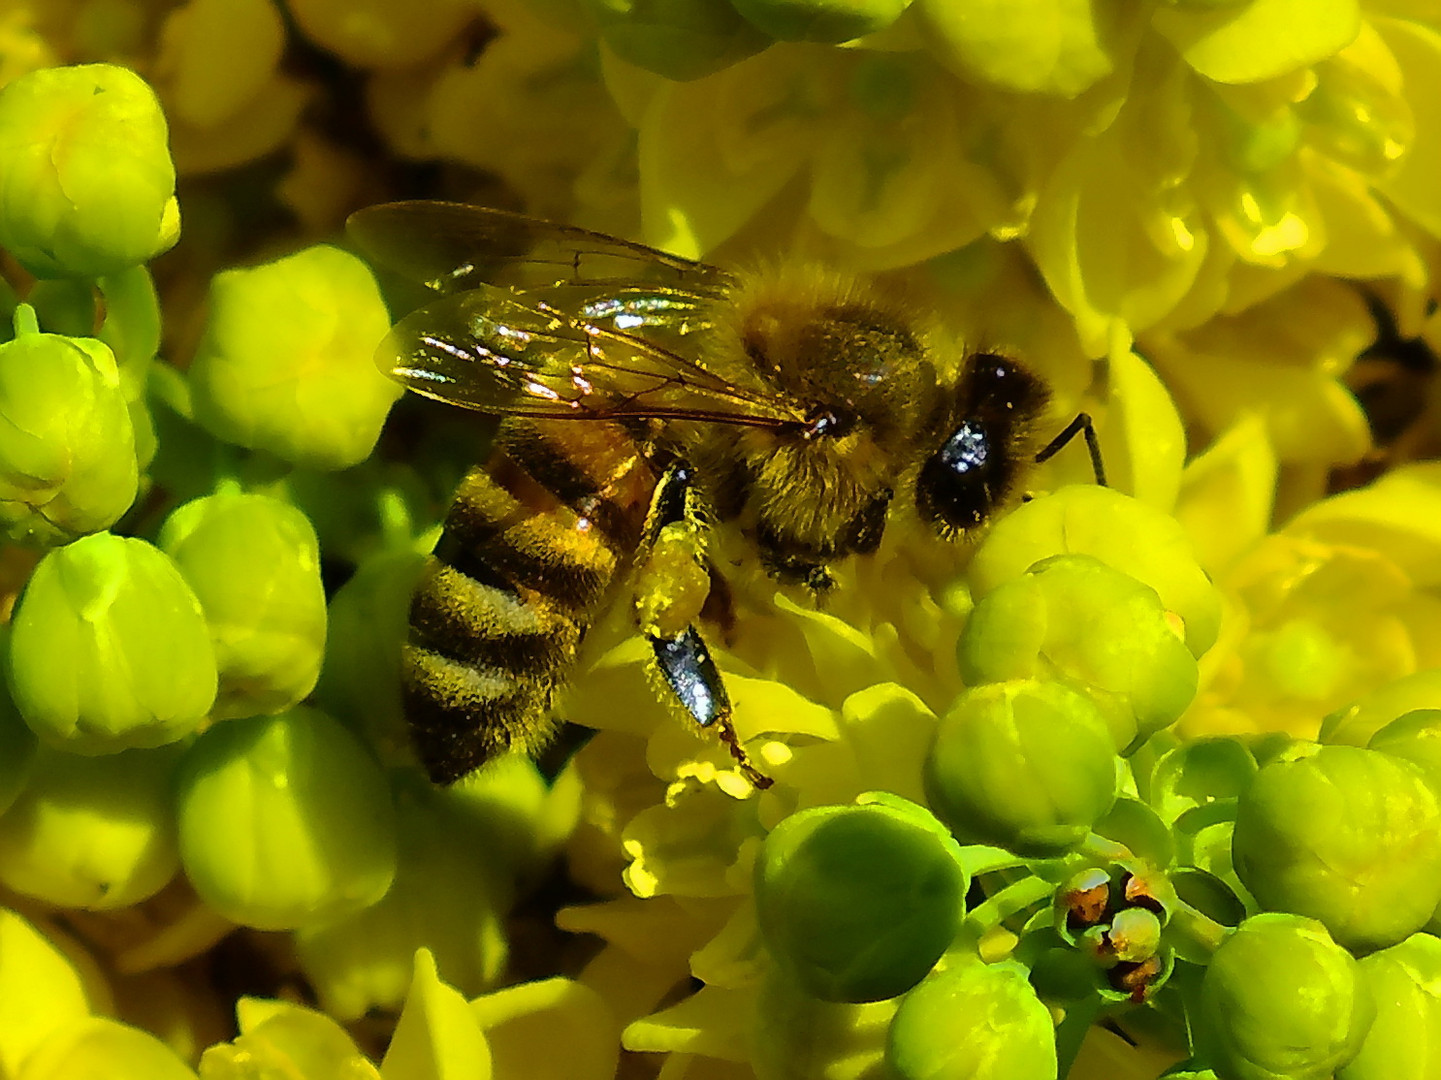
column 958, row 483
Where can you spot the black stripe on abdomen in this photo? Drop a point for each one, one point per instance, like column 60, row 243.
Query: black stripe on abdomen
column 498, row 540
column 486, row 624
column 462, row 716
column 518, row 576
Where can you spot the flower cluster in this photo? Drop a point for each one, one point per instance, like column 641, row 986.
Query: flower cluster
column 1139, row 778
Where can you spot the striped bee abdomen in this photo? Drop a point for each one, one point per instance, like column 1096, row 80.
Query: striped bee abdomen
column 531, row 546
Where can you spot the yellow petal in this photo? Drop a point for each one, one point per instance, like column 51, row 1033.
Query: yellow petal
column 712, row 152
column 1240, row 43
column 1109, row 245
column 1355, row 724
column 437, row 1036
column 1362, row 237
column 1280, row 359
column 1227, row 493
column 100, row 1049
column 41, row 992
column 1147, row 443
column 711, row 1022
column 1399, row 516
column 215, row 56
column 552, row 1029
column 1413, row 186
column 1051, row 46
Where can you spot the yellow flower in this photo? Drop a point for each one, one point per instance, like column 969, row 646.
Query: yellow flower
column 1336, row 606
column 42, row 992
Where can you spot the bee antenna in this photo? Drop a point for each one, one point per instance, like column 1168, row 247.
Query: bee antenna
column 1081, row 425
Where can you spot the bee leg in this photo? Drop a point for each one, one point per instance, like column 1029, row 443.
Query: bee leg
column 673, row 584
column 1081, row 425
column 672, row 573
column 688, row 670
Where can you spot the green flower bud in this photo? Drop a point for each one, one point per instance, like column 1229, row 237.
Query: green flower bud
column 859, row 902
column 254, row 563
column 92, row 832
column 1348, row 836
column 680, row 39
column 973, row 1022
column 452, row 891
column 368, row 621
column 1404, row 1042
column 67, row 444
column 828, row 21
column 286, row 361
column 1073, row 616
column 1200, row 773
column 1280, row 999
column 88, row 185
column 1120, row 531
column 109, row 648
column 1029, row 766
column 98, row 1046
column 285, row 821
column 1416, row 737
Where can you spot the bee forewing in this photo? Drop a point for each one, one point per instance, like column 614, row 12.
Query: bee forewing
column 452, row 247
column 500, row 351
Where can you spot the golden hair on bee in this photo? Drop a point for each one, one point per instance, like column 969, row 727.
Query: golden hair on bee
column 869, row 373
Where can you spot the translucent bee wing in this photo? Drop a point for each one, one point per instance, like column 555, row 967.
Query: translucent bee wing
column 500, row 351
column 452, row 247
column 663, row 315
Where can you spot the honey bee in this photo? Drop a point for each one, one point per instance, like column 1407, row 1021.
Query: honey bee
column 646, row 399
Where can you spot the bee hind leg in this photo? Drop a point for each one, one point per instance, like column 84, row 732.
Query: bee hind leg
column 673, row 585
column 691, row 676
